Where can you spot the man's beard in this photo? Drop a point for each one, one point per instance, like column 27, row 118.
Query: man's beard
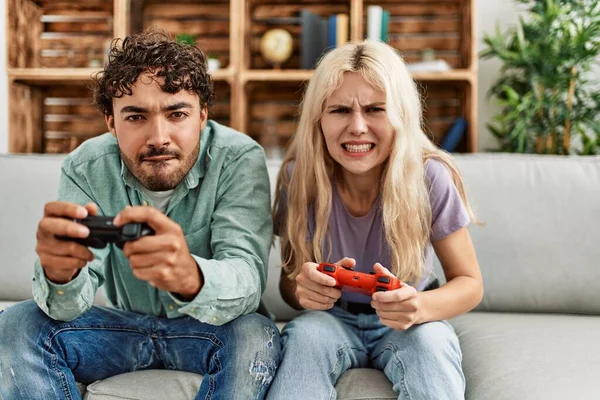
column 157, row 180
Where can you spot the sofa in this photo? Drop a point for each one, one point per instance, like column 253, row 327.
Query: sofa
column 535, row 335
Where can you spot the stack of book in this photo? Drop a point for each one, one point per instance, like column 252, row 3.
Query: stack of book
column 319, row 34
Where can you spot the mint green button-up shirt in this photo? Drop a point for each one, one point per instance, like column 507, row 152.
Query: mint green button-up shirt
column 222, row 205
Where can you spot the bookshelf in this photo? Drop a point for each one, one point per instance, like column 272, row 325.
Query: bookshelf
column 54, row 46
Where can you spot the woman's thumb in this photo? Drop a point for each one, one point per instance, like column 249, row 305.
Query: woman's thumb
column 380, row 269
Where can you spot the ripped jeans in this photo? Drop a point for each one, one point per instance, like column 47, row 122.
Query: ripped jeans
column 41, row 358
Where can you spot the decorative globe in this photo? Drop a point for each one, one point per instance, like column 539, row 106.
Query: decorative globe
column 276, row 46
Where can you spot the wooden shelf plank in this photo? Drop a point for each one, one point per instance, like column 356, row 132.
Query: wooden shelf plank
column 304, row 75
column 48, row 76
column 56, row 76
column 453, row 75
column 224, row 74
column 275, row 75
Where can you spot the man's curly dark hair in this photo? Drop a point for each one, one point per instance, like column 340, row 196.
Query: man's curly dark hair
column 182, row 66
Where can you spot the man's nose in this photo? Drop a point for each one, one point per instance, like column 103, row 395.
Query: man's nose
column 158, row 134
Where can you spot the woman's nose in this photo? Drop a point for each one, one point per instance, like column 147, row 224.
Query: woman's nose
column 358, row 124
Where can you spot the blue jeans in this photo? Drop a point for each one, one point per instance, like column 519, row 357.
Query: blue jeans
column 423, row 362
column 41, row 358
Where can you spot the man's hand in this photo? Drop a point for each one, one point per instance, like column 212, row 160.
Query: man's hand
column 398, row 308
column 62, row 259
column 163, row 260
column 315, row 290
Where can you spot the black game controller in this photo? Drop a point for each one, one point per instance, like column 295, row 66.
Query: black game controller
column 103, row 231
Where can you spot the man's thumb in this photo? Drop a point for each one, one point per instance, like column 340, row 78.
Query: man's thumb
column 92, row 208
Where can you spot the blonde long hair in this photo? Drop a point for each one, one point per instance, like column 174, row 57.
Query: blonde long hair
column 405, row 198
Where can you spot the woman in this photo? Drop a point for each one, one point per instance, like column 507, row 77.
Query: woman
column 362, row 184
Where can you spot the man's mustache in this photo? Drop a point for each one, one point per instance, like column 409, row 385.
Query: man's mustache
column 157, row 152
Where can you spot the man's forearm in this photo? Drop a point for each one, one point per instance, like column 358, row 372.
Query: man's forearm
column 193, row 285
column 61, row 279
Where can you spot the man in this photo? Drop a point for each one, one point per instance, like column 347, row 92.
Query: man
column 184, row 298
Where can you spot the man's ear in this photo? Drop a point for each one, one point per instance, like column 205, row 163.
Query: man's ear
column 203, row 116
column 110, row 122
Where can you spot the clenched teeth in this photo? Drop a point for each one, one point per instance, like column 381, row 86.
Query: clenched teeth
column 358, row 148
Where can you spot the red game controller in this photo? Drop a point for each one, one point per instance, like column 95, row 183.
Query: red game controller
column 359, row 282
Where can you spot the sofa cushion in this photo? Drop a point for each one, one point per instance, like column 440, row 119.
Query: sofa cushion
column 537, row 250
column 360, row 383
column 529, row 356
column 271, row 296
column 363, row 384
column 146, row 385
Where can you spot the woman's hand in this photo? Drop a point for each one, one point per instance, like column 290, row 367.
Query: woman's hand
column 316, row 290
column 399, row 308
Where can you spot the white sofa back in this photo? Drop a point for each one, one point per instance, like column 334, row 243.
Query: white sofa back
column 27, row 182
column 538, row 249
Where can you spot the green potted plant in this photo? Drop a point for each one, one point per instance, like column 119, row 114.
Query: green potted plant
column 549, row 102
column 186, row 38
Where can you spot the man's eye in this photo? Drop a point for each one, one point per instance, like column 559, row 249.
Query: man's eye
column 178, row 115
column 133, row 118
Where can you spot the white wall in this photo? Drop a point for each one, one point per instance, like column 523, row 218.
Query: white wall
column 488, row 13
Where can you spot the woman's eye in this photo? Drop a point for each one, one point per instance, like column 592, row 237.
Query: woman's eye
column 339, row 110
column 375, row 109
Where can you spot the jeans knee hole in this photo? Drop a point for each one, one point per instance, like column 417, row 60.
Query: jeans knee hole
column 263, row 370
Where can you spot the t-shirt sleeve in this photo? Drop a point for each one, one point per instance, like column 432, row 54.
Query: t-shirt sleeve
column 448, row 212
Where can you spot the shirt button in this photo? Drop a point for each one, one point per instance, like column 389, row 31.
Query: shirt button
column 171, row 307
column 144, row 203
column 214, row 319
column 60, row 292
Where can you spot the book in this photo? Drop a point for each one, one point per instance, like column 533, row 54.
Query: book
column 385, row 25
column 454, row 135
column 332, row 32
column 341, row 27
column 314, row 38
column 374, row 22
column 429, row 66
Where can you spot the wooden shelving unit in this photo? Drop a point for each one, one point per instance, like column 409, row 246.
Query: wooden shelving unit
column 54, row 46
